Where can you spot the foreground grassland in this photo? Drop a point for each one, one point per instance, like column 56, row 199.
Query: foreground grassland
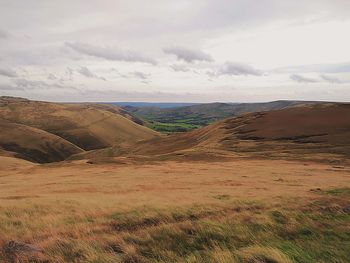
column 242, row 211
column 234, row 232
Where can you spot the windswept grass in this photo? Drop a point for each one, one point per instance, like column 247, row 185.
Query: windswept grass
column 290, row 231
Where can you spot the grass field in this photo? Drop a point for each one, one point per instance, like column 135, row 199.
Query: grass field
column 171, row 127
column 236, row 211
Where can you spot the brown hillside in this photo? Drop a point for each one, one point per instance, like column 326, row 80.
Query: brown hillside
column 32, row 144
column 328, row 123
column 316, row 129
column 86, row 125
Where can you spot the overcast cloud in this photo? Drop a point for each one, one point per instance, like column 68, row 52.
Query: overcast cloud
column 198, row 50
column 3, row 34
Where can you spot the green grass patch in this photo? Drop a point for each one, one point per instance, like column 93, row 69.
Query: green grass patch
column 338, row 191
column 171, row 127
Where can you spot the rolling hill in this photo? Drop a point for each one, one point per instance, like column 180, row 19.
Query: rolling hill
column 76, row 127
column 47, row 132
column 318, row 130
column 180, row 119
column 33, row 144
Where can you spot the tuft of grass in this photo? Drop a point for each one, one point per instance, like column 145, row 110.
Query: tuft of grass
column 338, row 191
column 279, row 217
column 258, row 254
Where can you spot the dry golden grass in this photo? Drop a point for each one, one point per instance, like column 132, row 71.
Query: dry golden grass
column 235, row 211
column 162, row 184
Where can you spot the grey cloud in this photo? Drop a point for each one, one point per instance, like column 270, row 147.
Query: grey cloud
column 140, row 75
column 236, row 69
column 302, row 79
column 179, row 68
column 87, row 73
column 144, row 77
column 118, row 73
column 330, row 79
column 7, row 72
column 109, row 53
column 188, row 55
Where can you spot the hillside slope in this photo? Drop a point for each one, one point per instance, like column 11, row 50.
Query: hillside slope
column 88, row 126
column 318, row 130
column 33, row 144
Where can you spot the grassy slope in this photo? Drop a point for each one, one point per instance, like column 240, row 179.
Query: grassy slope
column 86, row 126
column 34, row 144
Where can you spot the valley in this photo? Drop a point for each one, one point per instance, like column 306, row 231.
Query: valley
column 90, row 183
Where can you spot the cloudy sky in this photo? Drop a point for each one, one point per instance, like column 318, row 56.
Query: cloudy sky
column 175, row 51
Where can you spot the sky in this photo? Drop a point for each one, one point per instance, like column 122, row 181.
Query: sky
column 175, row 51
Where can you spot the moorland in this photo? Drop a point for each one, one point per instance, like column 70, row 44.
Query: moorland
column 93, row 183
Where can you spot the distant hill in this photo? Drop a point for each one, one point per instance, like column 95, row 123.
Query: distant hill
column 45, row 132
column 190, row 117
column 162, row 105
